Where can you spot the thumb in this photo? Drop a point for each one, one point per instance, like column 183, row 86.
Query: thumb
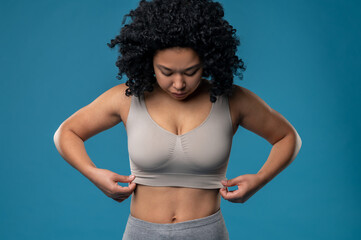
column 124, row 179
column 230, row 182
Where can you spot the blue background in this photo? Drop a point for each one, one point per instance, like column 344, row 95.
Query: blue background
column 303, row 59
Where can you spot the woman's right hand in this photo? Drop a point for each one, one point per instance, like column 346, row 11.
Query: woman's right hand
column 107, row 182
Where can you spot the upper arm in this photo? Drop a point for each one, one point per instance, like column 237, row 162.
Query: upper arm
column 258, row 117
column 101, row 114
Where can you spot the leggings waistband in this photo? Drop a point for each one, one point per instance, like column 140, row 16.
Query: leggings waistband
column 217, row 216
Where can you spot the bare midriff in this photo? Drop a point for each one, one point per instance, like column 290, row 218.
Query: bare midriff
column 173, row 204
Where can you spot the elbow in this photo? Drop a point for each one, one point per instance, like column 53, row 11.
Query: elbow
column 295, row 138
column 297, row 144
column 57, row 136
column 298, row 140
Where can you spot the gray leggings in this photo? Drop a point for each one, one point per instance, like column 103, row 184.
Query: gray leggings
column 210, row 227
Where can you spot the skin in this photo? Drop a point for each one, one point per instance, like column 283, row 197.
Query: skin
column 176, row 204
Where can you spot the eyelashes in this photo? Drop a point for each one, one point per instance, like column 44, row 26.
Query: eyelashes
column 185, row 73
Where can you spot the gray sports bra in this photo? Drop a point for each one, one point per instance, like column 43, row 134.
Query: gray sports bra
column 196, row 159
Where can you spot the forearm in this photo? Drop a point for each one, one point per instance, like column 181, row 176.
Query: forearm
column 282, row 154
column 71, row 148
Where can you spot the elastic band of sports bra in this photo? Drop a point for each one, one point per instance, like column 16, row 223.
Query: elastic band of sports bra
column 212, row 181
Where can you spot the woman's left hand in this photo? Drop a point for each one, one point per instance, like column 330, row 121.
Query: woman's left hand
column 247, row 184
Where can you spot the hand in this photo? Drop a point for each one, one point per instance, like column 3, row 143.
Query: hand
column 107, row 182
column 247, row 184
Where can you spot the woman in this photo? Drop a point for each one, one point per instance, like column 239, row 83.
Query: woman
column 179, row 145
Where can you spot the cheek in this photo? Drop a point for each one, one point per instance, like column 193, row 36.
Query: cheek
column 163, row 82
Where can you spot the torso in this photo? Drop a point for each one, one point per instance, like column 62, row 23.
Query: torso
column 176, row 204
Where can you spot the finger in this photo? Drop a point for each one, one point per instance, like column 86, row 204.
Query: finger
column 223, row 192
column 121, row 190
column 132, row 186
column 228, row 183
column 125, row 192
column 232, row 182
column 124, row 179
column 128, row 189
column 227, row 197
column 231, row 194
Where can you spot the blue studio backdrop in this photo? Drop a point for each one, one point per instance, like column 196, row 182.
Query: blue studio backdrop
column 302, row 58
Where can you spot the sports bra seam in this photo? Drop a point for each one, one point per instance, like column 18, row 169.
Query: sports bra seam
column 195, row 174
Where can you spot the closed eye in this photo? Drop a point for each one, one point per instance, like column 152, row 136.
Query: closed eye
column 167, row 74
column 192, row 73
column 185, row 73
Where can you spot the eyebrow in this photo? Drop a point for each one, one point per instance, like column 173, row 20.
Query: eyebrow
column 194, row 66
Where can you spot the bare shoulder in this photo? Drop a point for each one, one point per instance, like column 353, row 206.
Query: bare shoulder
column 102, row 113
column 246, row 101
column 120, row 101
column 116, row 99
column 254, row 114
column 240, row 102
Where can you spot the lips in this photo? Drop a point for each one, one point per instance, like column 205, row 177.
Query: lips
column 178, row 94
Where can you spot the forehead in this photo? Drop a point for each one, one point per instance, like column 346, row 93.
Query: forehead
column 176, row 56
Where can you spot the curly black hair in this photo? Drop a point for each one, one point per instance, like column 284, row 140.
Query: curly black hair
column 160, row 24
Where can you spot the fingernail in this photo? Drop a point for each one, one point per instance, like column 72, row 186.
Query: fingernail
column 131, row 176
column 223, row 182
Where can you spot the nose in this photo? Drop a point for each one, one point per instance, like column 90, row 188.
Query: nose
column 178, row 82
